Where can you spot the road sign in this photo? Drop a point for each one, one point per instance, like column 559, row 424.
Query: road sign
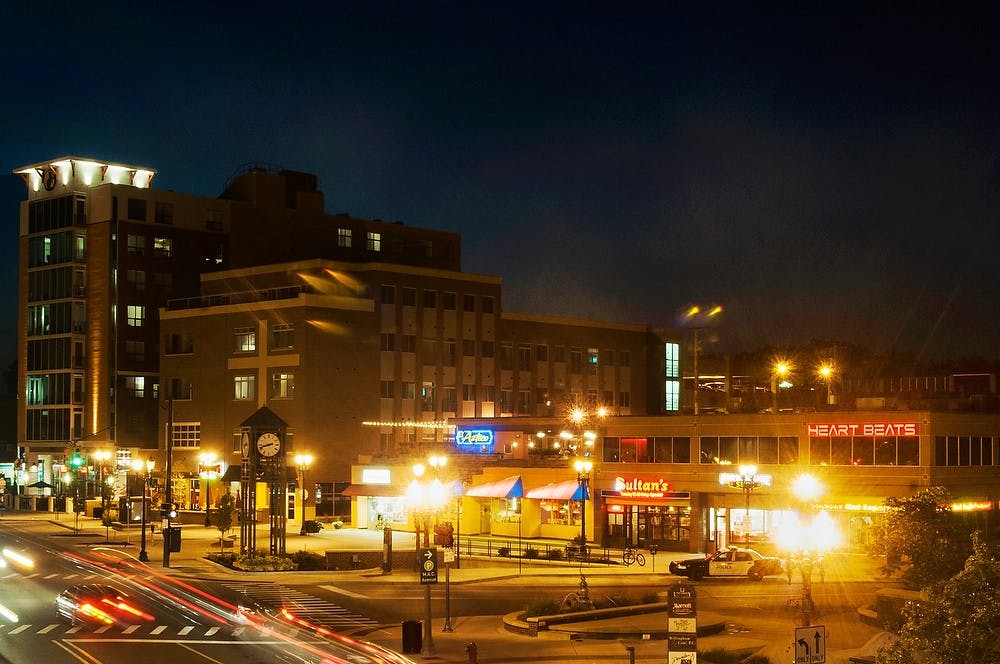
column 428, row 565
column 682, row 624
column 810, row 645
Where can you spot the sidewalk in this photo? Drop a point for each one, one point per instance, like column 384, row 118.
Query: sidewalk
column 595, row 640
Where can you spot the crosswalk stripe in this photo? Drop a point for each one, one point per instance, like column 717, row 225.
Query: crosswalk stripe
column 18, row 630
column 130, row 629
column 212, row 631
column 185, row 630
column 158, row 630
column 48, row 628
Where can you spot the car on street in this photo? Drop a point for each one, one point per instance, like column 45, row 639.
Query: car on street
column 97, row 604
column 729, row 562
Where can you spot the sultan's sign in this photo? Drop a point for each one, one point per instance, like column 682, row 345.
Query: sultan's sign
column 636, row 487
column 863, row 429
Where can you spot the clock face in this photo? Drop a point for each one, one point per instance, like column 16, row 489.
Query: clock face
column 268, row 444
column 245, row 444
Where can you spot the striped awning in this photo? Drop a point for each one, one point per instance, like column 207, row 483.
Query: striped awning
column 568, row 490
column 372, row 490
column 509, row 487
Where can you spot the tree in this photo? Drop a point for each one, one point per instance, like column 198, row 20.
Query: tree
column 921, row 535
column 960, row 620
column 223, row 515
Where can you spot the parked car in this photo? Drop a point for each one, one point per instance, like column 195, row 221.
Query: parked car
column 731, row 562
column 98, row 604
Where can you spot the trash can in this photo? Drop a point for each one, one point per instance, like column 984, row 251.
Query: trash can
column 413, row 636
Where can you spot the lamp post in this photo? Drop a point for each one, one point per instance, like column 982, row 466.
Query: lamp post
column 302, row 463
column 102, row 457
column 583, row 468
column 779, row 374
column 746, row 480
column 426, row 499
column 138, row 465
column 700, row 318
column 826, row 371
column 806, row 545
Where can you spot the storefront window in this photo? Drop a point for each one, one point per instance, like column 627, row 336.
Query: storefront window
column 560, row 512
column 508, row 510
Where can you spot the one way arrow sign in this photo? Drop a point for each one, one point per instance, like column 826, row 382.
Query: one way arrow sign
column 810, row 645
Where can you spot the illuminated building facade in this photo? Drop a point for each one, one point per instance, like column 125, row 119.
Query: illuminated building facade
column 656, row 480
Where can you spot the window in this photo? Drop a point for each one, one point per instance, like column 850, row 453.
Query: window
column 541, row 353
column 245, row 387
column 135, row 386
column 576, row 360
column 449, row 400
column 625, row 358
column 468, row 392
column 506, row 402
column 136, row 315
column 524, row 357
column 430, row 299
column 409, row 390
column 428, row 248
column 592, row 357
column 178, row 344
column 136, row 279
column 558, row 354
column 672, row 360
column 488, row 304
column 213, row 220
column 164, row 281
column 282, row 385
column 245, row 339
column 282, row 336
column 387, row 341
column 136, row 245
column 136, row 350
column 449, row 301
column 344, row 237
column 163, row 246
column 506, row 356
column 408, row 343
column 186, row 434
column 386, row 389
column 489, row 393
column 180, row 389
column 374, row 242
column 487, row 348
column 469, row 302
column 523, row 402
column 163, row 213
column 388, row 294
column 136, row 209
column 427, row 397
column 450, row 352
column 608, row 357
column 672, row 396
column 468, row 347
column 409, row 297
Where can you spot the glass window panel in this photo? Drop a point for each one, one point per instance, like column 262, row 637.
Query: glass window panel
column 611, row 450
column 662, row 449
column 709, row 449
column 908, row 451
column 840, row 451
column 885, row 452
column 682, row 449
column 788, row 450
column 767, row 449
column 819, row 451
column 864, row 450
column 748, row 449
column 728, row 449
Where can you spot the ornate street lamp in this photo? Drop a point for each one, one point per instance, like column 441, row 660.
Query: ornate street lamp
column 425, row 499
column 806, row 545
column 138, row 465
column 302, row 463
column 583, row 468
column 746, row 480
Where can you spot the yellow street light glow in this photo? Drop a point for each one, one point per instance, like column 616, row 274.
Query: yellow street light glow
column 782, row 368
column 437, row 460
column 806, row 487
column 577, row 415
column 583, row 467
column 419, row 469
column 303, row 459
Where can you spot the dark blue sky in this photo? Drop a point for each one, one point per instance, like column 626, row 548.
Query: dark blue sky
column 827, row 175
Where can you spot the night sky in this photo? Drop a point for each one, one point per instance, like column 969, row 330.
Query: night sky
column 830, row 176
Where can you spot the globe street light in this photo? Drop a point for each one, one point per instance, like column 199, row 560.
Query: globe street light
column 779, row 375
column 583, row 468
column 746, row 480
column 302, row 463
column 425, row 499
column 138, row 465
column 805, row 545
column 826, row 371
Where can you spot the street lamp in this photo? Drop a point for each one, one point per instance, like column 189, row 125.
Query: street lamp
column 779, row 375
column 695, row 313
column 302, row 463
column 826, row 371
column 805, row 546
column 208, row 470
column 747, row 479
column 138, row 465
column 425, row 499
column 102, row 457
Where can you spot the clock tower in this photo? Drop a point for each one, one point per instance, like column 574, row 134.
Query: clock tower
column 262, row 444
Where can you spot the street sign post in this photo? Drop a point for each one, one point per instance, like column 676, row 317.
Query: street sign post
column 682, row 624
column 428, row 565
column 810, row 645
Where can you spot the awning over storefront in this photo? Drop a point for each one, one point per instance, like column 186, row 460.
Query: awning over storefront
column 509, row 487
column 568, row 490
column 372, row 490
column 234, row 473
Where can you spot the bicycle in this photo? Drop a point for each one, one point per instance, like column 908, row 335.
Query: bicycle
column 631, row 556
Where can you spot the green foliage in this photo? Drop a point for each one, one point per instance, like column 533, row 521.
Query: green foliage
column 531, row 553
column 256, row 562
column 923, row 537
column 308, row 561
column 960, row 620
column 723, row 656
column 224, row 515
column 227, row 559
column 555, row 554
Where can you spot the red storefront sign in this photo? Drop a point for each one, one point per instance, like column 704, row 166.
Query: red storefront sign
column 863, row 429
column 637, row 487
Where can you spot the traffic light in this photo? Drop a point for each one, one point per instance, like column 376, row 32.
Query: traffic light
column 77, row 459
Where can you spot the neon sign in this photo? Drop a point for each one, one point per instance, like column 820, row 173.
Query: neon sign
column 639, row 488
column 864, row 429
column 477, row 437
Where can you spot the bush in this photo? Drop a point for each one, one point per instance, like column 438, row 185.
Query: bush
column 555, row 554
column 503, row 552
column 255, row 562
column 226, row 559
column 307, row 561
column 545, row 607
column 531, row 553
